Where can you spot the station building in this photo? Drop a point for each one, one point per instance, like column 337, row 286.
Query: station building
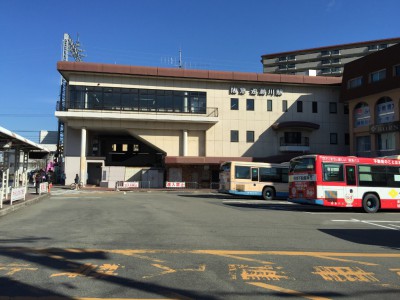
column 149, row 124
column 371, row 89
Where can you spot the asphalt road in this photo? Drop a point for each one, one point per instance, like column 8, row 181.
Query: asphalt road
column 193, row 245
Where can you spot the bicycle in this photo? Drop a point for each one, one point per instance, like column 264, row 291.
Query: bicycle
column 73, row 185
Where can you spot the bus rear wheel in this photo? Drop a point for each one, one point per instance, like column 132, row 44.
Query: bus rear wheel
column 268, row 193
column 371, row 203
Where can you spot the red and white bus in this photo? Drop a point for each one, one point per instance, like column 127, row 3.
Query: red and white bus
column 345, row 181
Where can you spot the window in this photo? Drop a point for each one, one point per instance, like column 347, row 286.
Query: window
column 346, row 109
column 292, row 138
column 347, row 139
column 377, row 76
column 396, row 70
column 373, row 175
column 284, row 106
column 363, row 144
column 242, row 172
column 250, row 136
column 355, row 82
column 273, row 174
column 361, row 115
column 315, row 107
column 333, row 172
column 234, row 136
column 234, row 104
column 384, row 111
column 333, row 139
column 250, row 104
column 332, row 107
column 299, row 106
column 269, row 105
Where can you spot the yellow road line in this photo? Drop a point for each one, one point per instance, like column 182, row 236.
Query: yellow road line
column 286, row 291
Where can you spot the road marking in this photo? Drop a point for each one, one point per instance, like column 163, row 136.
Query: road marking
column 256, row 273
column 343, row 274
column 14, row 268
column 374, row 223
column 168, row 270
column 286, row 291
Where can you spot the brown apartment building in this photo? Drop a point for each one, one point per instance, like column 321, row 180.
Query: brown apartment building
column 371, row 88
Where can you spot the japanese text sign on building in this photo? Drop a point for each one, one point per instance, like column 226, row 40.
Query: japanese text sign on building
column 255, row 91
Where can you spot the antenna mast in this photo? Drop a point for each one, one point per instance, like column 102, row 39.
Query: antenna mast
column 69, row 48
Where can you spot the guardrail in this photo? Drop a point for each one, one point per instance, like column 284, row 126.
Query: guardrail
column 132, row 185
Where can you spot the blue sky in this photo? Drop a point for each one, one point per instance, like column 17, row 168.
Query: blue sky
column 219, row 35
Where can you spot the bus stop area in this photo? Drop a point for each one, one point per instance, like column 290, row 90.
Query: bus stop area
column 15, row 151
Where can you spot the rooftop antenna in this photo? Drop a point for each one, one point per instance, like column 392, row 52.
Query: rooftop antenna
column 180, row 58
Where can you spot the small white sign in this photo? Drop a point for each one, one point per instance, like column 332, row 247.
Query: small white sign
column 175, row 184
column 131, row 184
column 18, row 194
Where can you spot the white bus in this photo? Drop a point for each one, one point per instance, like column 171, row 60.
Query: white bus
column 254, row 179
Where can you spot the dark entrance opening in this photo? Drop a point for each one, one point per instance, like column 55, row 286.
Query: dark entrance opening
column 129, row 151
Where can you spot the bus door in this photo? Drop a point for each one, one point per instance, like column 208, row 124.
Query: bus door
column 350, row 190
column 254, row 176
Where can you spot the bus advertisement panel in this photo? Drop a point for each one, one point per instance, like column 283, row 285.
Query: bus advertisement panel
column 345, row 181
column 254, row 179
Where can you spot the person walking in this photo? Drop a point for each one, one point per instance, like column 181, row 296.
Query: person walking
column 76, row 182
column 38, row 179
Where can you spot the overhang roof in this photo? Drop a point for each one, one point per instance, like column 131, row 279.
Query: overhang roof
column 295, row 124
column 67, row 68
column 11, row 140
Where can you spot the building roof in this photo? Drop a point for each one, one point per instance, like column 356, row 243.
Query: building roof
column 67, row 68
column 340, row 46
column 11, row 140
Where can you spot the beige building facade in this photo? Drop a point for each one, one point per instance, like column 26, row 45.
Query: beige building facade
column 157, row 125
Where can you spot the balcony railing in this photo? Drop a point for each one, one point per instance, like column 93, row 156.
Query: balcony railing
column 302, row 146
column 119, row 107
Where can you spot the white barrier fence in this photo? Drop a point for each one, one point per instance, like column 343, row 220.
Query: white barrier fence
column 126, row 185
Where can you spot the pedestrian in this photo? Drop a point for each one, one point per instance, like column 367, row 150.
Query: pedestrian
column 63, row 177
column 38, row 178
column 76, row 181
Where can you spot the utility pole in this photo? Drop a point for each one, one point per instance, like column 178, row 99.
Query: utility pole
column 69, row 48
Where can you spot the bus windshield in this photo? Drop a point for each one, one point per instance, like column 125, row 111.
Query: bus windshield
column 302, row 164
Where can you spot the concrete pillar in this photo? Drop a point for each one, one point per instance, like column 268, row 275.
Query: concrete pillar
column 83, row 170
column 186, row 102
column 184, row 142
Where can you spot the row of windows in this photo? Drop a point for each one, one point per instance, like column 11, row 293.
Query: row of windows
column 384, row 142
column 384, row 113
column 372, row 77
column 290, row 138
column 378, row 176
column 325, row 53
column 299, row 106
column 107, row 98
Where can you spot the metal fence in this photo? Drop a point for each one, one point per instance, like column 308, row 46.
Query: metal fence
column 134, row 185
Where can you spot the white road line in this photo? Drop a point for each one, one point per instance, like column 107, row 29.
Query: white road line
column 373, row 222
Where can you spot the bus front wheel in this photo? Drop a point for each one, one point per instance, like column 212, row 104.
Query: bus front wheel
column 371, row 203
column 268, row 193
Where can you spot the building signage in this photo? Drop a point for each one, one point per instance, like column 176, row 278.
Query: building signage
column 255, row 91
column 387, row 127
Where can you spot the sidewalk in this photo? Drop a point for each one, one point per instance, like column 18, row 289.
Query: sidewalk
column 30, row 198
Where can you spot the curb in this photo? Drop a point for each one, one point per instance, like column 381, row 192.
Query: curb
column 23, row 204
